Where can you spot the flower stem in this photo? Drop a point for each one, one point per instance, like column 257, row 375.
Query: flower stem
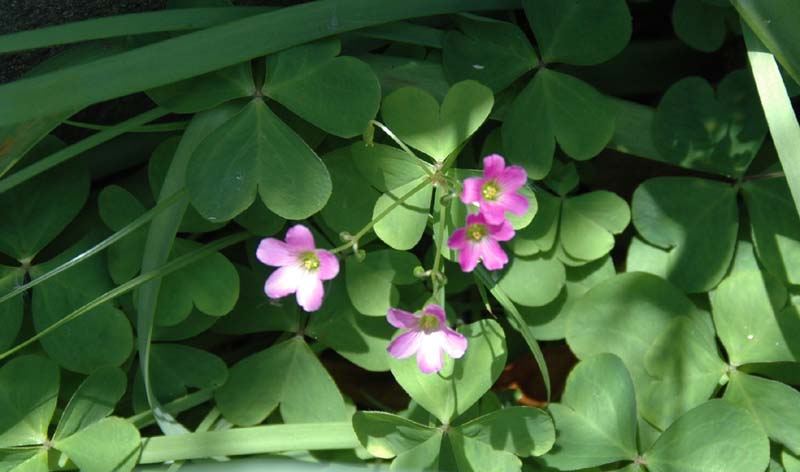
column 354, row 239
column 436, row 276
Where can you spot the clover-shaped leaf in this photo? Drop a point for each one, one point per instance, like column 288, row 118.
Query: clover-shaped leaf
column 720, row 132
column 287, row 374
column 416, row 117
column 700, row 238
column 589, row 223
column 207, row 90
column 699, row 24
column 556, row 107
column 494, row 53
column 256, row 153
column 533, row 281
column 775, row 227
column 337, row 94
column 117, row 208
column 110, row 444
column 772, row 403
column 352, row 198
column 95, row 398
column 596, row 419
column 28, row 396
column 461, row 382
column 753, row 321
column 579, row 32
column 101, row 337
column 11, row 311
column 371, row 283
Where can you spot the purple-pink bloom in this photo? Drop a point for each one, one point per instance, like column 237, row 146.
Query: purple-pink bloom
column 427, row 336
column 497, row 191
column 302, row 267
column 478, row 241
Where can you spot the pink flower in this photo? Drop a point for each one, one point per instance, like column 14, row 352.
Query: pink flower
column 303, row 267
column 479, row 241
column 497, row 191
column 427, row 336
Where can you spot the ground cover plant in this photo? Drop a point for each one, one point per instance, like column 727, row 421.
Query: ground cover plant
column 541, row 235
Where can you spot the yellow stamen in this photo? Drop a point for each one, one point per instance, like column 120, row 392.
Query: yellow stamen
column 476, row 232
column 309, row 261
column 490, row 191
column 429, row 323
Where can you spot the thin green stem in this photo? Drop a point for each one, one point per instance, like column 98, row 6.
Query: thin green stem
column 403, row 146
column 154, row 128
column 187, row 402
column 166, row 269
column 125, row 231
column 354, row 239
column 76, row 149
column 436, row 276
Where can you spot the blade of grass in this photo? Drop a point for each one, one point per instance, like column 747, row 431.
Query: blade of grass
column 124, row 25
column 254, row 440
column 75, row 149
column 517, row 323
column 781, row 119
column 179, row 405
column 154, row 128
column 407, row 33
column 774, row 22
column 203, row 51
column 126, row 230
column 167, row 269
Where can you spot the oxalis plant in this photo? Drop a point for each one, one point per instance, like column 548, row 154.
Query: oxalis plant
column 489, row 235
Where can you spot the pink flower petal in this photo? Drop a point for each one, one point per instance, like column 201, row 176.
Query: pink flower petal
column 515, row 203
column 475, row 218
column 493, row 166
column 283, row 281
column 328, row 265
column 437, row 311
column 429, row 354
column 468, row 257
column 492, row 254
column 502, row 232
column 300, row 238
column 512, row 178
column 471, row 192
column 458, row 240
column 274, row 252
column 493, row 212
column 405, row 345
column 401, row 318
column 310, row 292
column 453, row 343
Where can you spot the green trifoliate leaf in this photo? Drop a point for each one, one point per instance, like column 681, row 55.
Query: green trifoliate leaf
column 596, row 420
column 624, row 315
column 720, row 133
column 472, row 454
column 337, row 94
column 287, row 374
column 548, row 322
column 117, row 208
column 775, row 227
column 175, row 369
column 714, row 436
column 686, row 370
column 540, row 235
column 386, row 167
column 461, row 382
column 579, row 32
column 773, row 404
column 110, row 444
column 417, row 119
column 403, row 226
column 101, row 337
column 386, row 435
column 700, row 238
column 522, row 431
column 752, row 320
column 699, row 24
column 36, row 211
column 11, row 311
column 207, row 90
column 28, row 395
column 425, row 456
column 255, row 152
column 589, row 223
column 494, row 53
column 353, row 198
column 533, row 281
column 371, row 283
column 25, row 460
column 96, row 398
column 211, row 285
column 556, row 107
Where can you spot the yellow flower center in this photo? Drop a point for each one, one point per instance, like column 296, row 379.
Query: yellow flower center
column 476, row 232
column 429, row 323
column 309, row 261
column 490, row 191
